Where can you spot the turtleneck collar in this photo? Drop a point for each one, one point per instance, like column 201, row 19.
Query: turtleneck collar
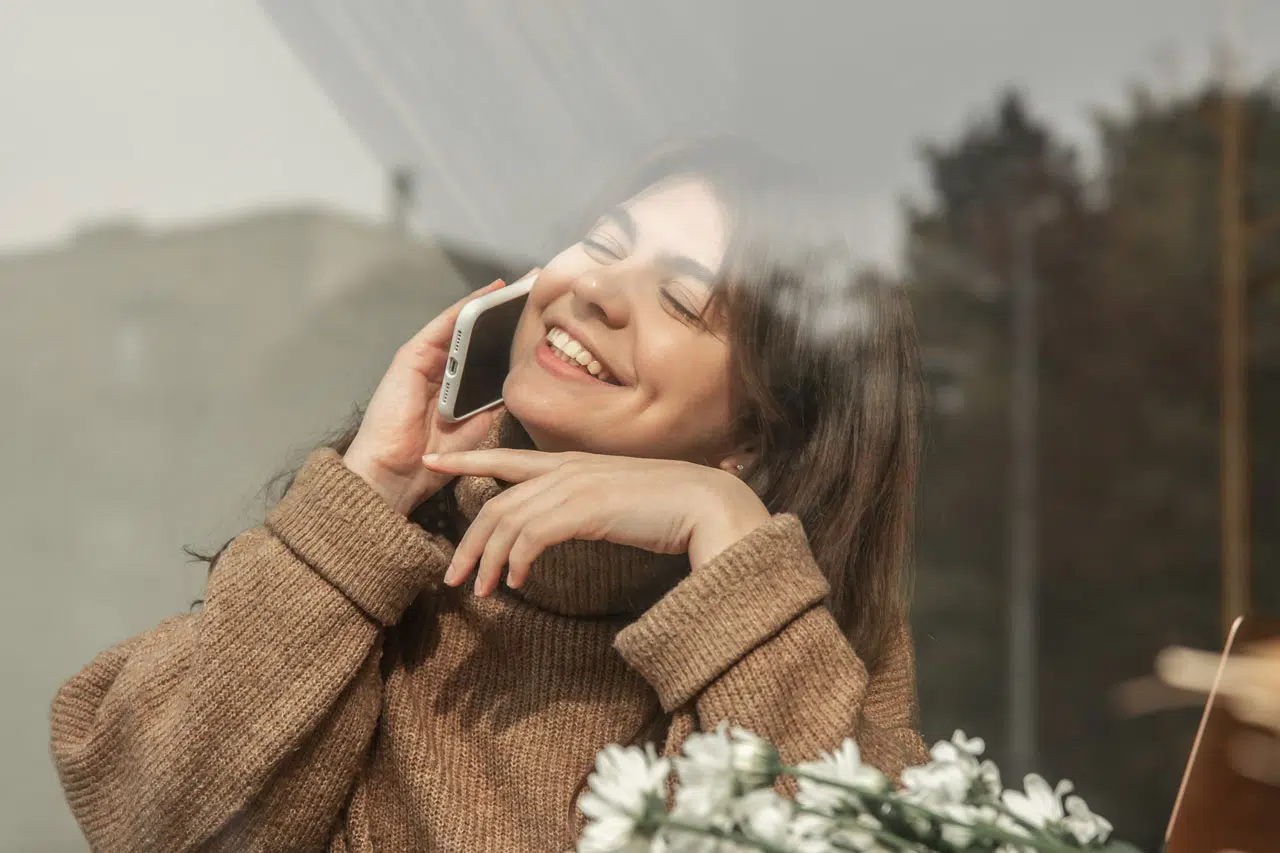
column 578, row 577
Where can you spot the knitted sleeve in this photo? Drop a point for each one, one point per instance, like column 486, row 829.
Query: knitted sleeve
column 747, row 639
column 243, row 726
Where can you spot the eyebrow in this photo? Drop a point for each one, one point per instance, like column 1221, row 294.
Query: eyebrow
column 681, row 265
column 623, row 220
column 675, row 264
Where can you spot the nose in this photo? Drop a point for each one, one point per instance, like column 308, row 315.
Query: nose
column 604, row 296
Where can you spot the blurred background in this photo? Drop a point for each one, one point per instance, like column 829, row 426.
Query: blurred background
column 218, row 220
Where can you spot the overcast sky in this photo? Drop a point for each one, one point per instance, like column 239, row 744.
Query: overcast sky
column 176, row 110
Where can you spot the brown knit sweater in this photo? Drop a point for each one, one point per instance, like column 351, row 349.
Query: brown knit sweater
column 333, row 695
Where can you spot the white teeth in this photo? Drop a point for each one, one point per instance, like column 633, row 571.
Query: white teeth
column 571, row 352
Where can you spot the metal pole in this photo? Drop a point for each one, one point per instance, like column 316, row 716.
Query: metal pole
column 1024, row 402
column 1236, row 491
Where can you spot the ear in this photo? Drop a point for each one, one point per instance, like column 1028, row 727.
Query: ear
column 738, row 461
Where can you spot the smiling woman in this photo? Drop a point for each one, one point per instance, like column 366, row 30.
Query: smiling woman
column 631, row 293
column 699, row 495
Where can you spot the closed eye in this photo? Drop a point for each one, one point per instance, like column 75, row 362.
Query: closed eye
column 602, row 249
column 683, row 312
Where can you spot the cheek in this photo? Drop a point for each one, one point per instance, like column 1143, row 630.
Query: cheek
column 691, row 377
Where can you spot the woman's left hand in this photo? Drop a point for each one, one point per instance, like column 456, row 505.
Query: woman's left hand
column 659, row 505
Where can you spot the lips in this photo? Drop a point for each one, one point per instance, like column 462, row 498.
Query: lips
column 576, row 350
column 572, row 352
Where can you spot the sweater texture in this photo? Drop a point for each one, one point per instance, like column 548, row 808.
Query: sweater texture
column 331, row 693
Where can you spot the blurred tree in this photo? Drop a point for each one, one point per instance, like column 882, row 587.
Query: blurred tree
column 1130, row 349
column 959, row 256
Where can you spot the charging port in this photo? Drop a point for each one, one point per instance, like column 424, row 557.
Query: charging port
column 453, row 367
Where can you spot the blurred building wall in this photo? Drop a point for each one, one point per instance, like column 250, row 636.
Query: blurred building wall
column 153, row 381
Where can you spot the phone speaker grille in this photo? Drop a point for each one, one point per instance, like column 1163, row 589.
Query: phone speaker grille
column 444, row 393
column 457, row 339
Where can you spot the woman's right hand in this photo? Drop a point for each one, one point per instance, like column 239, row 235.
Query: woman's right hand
column 403, row 421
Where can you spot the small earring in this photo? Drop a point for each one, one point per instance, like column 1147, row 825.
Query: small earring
column 740, row 468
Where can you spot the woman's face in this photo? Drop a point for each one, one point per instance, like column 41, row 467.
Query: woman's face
column 610, row 355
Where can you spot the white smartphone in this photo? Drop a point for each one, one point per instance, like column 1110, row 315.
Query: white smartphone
column 480, row 352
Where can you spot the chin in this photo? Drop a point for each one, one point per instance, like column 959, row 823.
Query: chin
column 547, row 420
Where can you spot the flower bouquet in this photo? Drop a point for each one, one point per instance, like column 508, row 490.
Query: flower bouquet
column 724, row 802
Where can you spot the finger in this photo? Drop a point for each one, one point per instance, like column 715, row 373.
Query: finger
column 536, row 499
column 1188, row 669
column 564, row 513
column 511, row 466
column 472, row 545
column 1245, row 679
column 520, row 540
column 427, row 351
column 1259, row 709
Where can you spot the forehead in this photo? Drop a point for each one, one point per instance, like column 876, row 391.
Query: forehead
column 680, row 217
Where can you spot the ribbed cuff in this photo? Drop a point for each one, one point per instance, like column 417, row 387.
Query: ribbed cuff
column 349, row 535
column 722, row 611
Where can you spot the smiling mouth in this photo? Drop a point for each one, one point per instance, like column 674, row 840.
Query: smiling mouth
column 576, row 357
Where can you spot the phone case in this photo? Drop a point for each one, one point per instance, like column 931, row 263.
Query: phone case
column 462, row 329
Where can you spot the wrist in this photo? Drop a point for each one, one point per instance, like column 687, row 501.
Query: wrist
column 402, row 494
column 720, row 524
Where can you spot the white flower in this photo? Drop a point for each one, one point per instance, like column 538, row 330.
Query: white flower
column 954, row 775
column 859, row 835
column 675, row 841
column 1041, row 805
column 845, row 768
column 810, row 833
column 707, row 781
column 755, row 761
column 957, row 828
column 718, row 766
column 975, row 746
column 938, row 782
column 625, row 794
column 989, row 777
column 725, row 802
column 959, row 748
column 1085, row 826
column 764, row 816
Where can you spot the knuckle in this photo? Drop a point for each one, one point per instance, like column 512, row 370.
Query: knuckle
column 508, row 527
column 524, row 546
column 574, row 460
column 413, row 351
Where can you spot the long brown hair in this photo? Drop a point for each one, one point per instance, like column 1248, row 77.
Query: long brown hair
column 825, row 377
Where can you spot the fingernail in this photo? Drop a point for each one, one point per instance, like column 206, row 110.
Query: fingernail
column 450, row 578
column 430, row 458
